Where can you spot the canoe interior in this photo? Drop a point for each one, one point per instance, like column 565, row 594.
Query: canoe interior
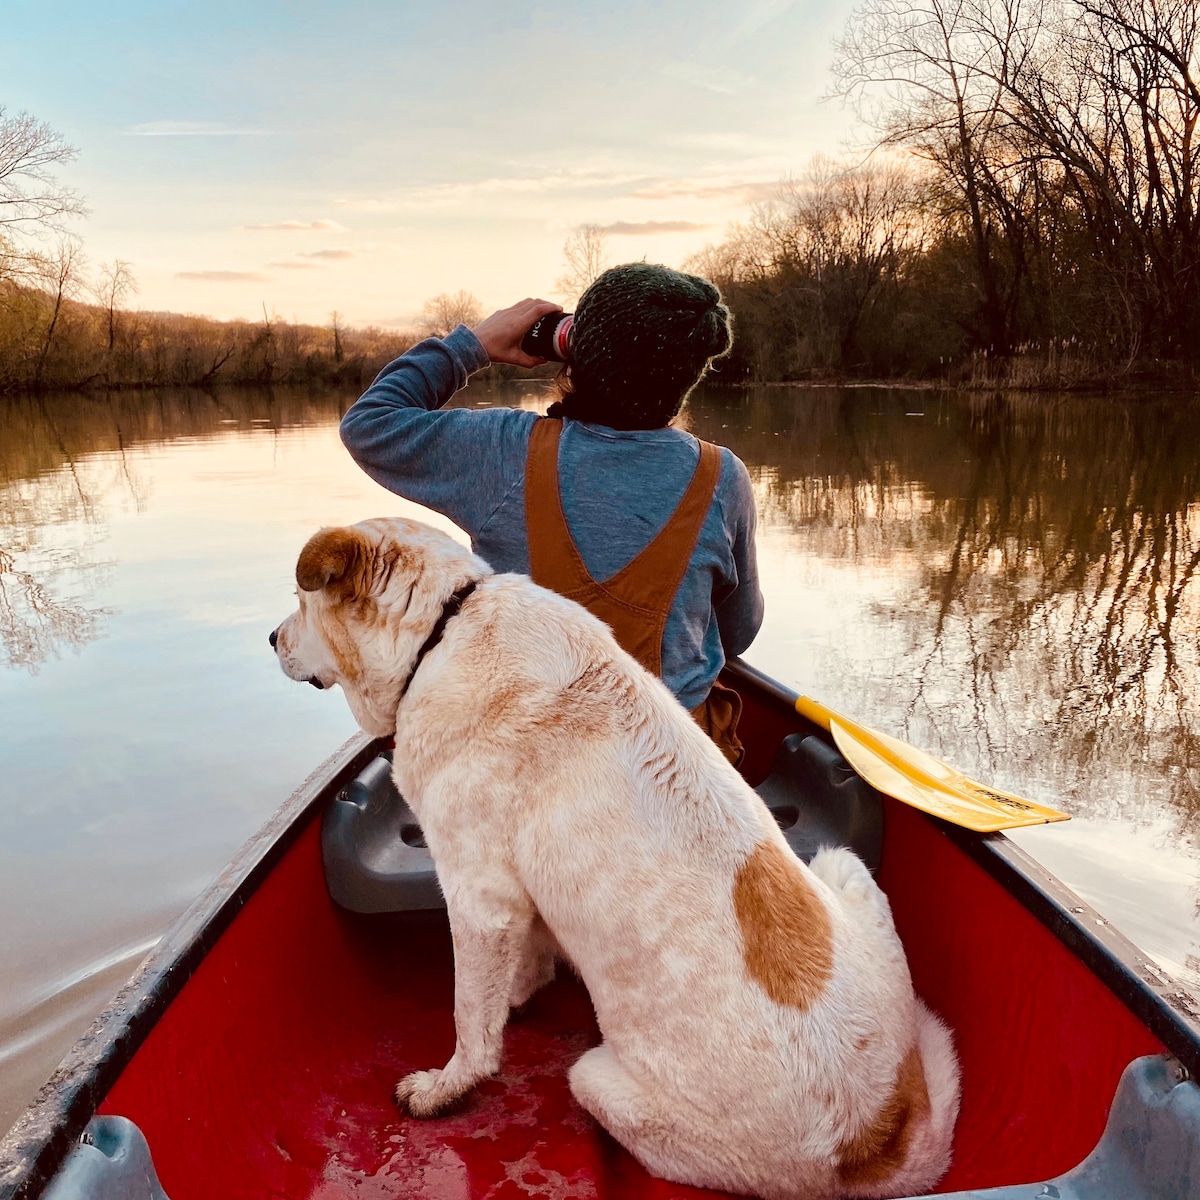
column 271, row 1073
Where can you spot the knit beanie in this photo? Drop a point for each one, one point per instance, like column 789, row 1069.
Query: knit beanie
column 642, row 339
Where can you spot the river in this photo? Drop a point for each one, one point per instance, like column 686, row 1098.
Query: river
column 1008, row 582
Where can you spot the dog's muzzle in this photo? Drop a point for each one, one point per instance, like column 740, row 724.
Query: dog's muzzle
column 273, row 638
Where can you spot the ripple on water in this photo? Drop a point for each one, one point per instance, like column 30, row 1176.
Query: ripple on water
column 34, row 1037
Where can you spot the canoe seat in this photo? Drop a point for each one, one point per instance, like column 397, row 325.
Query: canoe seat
column 1150, row 1148
column 376, row 859
column 818, row 800
column 110, row 1162
column 374, row 852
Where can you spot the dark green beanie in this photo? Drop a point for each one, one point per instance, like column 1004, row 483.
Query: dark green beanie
column 642, row 339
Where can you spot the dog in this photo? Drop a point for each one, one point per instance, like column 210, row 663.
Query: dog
column 760, row 1030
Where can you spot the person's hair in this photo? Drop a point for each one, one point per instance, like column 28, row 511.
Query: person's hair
column 643, row 337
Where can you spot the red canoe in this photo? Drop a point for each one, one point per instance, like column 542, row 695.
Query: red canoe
column 258, row 1046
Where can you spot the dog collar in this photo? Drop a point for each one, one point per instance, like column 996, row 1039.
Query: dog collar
column 449, row 610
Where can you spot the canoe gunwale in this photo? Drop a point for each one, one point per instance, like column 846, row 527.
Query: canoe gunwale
column 1160, row 1003
column 33, row 1149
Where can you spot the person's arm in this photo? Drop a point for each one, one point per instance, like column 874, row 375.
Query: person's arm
column 459, row 462
column 740, row 609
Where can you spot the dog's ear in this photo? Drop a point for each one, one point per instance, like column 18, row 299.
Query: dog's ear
column 332, row 556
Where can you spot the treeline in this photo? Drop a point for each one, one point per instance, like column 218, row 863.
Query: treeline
column 65, row 326
column 1029, row 214
column 49, row 340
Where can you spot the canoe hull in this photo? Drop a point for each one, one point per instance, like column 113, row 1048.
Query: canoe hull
column 259, row 1046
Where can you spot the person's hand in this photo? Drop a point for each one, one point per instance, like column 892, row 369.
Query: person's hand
column 502, row 332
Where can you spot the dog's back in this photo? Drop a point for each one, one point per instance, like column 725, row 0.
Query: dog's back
column 760, row 1029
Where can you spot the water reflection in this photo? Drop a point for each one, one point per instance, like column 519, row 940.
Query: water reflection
column 1010, row 583
column 34, row 622
column 1043, row 554
column 65, row 466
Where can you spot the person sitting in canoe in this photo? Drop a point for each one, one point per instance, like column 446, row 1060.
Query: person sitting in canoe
column 601, row 500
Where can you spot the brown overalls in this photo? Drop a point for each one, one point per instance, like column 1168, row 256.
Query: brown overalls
column 636, row 600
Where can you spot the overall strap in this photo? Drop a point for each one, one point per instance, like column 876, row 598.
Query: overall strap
column 554, row 559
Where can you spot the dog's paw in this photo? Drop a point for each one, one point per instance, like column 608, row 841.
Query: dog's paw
column 425, row 1093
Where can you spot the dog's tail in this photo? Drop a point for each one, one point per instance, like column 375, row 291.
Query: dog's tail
column 943, row 1079
column 926, row 1156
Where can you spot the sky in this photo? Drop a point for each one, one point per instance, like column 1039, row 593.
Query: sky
column 362, row 157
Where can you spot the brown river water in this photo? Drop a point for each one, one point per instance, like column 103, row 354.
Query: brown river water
column 1010, row 583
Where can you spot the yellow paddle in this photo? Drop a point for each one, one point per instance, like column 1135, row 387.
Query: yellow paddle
column 900, row 770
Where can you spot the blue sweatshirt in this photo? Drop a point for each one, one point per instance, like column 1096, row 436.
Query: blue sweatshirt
column 618, row 489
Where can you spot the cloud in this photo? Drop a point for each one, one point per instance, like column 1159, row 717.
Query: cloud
column 223, row 276
column 620, row 228
column 322, row 257
column 747, row 190
column 324, row 225
column 755, row 16
column 191, row 129
column 712, row 79
column 589, row 183
column 442, row 195
column 370, row 204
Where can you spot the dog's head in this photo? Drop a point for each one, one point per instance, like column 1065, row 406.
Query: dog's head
column 370, row 594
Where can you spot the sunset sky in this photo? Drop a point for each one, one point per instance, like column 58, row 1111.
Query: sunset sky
column 366, row 155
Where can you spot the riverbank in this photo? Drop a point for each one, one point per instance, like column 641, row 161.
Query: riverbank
column 1019, row 373
column 66, row 345
column 54, row 342
column 1023, row 378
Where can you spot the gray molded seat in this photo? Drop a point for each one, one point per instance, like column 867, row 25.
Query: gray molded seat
column 1150, row 1149
column 111, row 1162
column 376, row 860
column 818, row 800
column 374, row 852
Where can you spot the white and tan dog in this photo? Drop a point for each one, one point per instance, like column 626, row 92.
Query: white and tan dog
column 760, row 1029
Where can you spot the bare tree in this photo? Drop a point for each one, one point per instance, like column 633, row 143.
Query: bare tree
column 812, row 267
column 1114, row 101
column 266, row 342
column 31, row 197
column 932, row 77
column 336, row 324
column 586, row 258
column 447, row 311
column 1062, row 133
column 115, row 285
column 60, row 274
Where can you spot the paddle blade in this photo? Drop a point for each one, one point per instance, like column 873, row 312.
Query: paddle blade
column 917, row 778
